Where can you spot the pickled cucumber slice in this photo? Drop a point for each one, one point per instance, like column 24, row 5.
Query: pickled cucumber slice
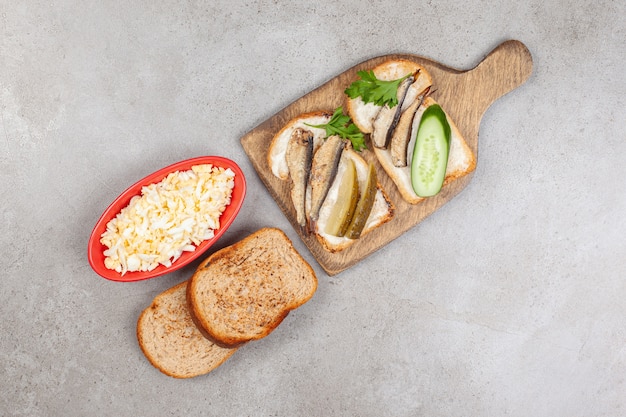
column 430, row 155
column 347, row 199
column 364, row 206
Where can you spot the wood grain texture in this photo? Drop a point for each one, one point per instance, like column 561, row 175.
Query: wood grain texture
column 464, row 95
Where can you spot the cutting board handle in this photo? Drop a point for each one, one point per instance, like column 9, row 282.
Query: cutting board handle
column 512, row 60
column 505, row 68
column 470, row 93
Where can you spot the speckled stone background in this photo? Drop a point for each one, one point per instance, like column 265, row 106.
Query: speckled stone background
column 509, row 301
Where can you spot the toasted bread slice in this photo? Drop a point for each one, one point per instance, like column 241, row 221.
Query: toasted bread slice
column 363, row 114
column 461, row 159
column 278, row 147
column 382, row 211
column 244, row 291
column 171, row 341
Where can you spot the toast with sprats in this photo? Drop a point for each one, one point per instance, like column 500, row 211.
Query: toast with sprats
column 393, row 138
column 314, row 165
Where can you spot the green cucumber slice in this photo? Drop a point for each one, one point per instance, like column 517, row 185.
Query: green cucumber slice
column 430, row 155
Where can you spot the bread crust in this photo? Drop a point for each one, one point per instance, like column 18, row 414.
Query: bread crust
column 249, row 266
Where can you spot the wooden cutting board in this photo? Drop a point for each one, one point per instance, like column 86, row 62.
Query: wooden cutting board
column 464, row 95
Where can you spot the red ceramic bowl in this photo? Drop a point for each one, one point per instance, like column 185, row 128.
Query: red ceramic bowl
column 95, row 249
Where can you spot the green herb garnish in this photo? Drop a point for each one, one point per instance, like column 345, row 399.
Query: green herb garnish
column 342, row 125
column 373, row 90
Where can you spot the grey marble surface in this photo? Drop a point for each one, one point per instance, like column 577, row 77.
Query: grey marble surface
column 509, row 301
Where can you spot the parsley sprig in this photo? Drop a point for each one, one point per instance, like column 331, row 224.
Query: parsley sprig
column 373, row 90
column 342, row 125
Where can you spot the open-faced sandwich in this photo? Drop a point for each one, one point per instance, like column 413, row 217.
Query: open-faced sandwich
column 415, row 141
column 334, row 190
